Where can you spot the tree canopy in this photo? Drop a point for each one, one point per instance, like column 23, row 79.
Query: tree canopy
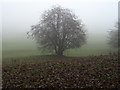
column 59, row 29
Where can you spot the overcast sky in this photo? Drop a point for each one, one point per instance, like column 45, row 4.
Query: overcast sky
column 99, row 16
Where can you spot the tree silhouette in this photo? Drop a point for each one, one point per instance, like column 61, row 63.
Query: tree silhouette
column 59, row 29
column 113, row 41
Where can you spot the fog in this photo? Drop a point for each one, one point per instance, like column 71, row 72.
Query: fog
column 99, row 16
column 16, row 19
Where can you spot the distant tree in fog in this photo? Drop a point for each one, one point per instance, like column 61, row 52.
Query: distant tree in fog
column 59, row 29
column 113, row 36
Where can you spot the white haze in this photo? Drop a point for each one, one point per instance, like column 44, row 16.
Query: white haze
column 99, row 16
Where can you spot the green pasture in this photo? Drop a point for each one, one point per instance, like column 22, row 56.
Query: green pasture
column 24, row 47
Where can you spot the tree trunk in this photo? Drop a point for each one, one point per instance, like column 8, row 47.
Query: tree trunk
column 59, row 49
column 59, row 53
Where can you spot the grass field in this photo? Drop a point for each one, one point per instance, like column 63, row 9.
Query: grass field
column 22, row 48
column 50, row 71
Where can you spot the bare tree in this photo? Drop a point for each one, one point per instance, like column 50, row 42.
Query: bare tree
column 113, row 40
column 59, row 29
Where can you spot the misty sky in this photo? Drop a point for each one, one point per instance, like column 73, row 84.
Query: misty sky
column 99, row 16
